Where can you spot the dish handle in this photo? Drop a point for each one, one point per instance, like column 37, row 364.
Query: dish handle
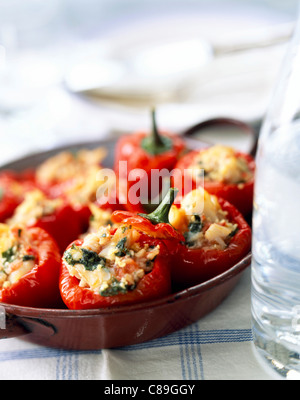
column 10, row 326
column 13, row 326
column 221, row 123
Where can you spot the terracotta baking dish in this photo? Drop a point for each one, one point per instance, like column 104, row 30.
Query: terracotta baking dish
column 99, row 329
column 110, row 328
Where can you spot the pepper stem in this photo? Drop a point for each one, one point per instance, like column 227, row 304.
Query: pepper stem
column 156, row 136
column 161, row 213
column 156, row 143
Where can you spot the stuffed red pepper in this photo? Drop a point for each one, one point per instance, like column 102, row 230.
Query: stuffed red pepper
column 122, row 265
column 216, row 236
column 223, row 171
column 29, row 267
column 78, row 177
column 55, row 216
column 12, row 188
column 144, row 159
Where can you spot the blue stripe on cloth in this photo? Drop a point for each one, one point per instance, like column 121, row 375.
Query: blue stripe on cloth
column 188, row 340
column 67, row 362
column 197, row 360
column 190, row 359
column 67, row 367
column 40, row 353
column 185, row 337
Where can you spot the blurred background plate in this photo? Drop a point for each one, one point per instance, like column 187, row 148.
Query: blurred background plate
column 73, row 69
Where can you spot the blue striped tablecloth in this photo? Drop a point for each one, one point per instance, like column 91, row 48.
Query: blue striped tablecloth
column 217, row 347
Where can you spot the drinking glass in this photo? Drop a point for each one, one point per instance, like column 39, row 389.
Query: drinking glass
column 276, row 226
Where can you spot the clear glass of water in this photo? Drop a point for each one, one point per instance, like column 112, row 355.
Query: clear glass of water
column 276, row 226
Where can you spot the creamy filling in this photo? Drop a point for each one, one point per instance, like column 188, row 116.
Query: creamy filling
column 111, row 261
column 202, row 221
column 66, row 165
column 79, row 176
column 221, row 164
column 17, row 257
column 34, row 206
column 99, row 218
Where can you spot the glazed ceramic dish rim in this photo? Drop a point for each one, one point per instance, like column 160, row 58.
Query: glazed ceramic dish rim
column 179, row 295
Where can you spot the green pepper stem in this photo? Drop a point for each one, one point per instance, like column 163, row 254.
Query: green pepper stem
column 161, row 214
column 155, row 143
column 156, row 136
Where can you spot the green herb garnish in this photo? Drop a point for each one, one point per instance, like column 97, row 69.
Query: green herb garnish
column 121, row 246
column 90, row 260
column 116, row 288
column 233, row 233
column 194, row 227
column 9, row 255
column 28, row 257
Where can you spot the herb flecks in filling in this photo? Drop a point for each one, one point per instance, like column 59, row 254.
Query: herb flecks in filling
column 194, row 227
column 202, row 221
column 89, row 259
column 121, row 246
column 116, row 287
column 221, row 164
column 17, row 257
column 111, row 261
column 9, row 255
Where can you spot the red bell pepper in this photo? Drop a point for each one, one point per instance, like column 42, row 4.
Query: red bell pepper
column 30, row 268
column 193, row 265
column 151, row 154
column 76, row 177
column 63, row 225
column 68, row 170
column 55, row 216
column 12, row 188
column 154, row 284
column 239, row 194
